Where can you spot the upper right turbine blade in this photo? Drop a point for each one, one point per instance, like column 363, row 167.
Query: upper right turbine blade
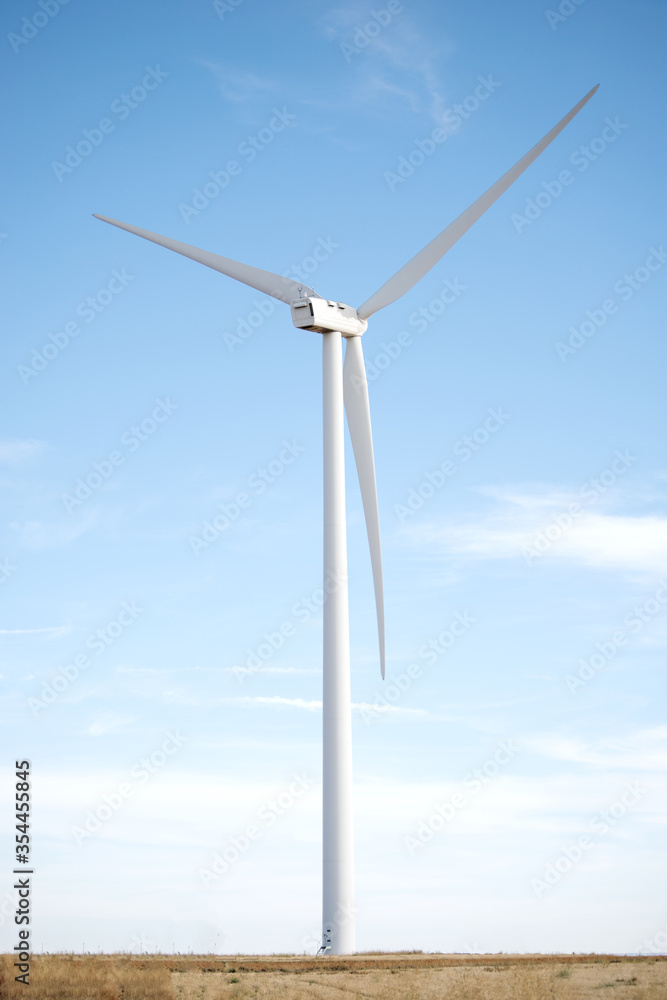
column 422, row 262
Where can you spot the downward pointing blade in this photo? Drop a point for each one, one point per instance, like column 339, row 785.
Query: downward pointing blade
column 422, row 262
column 264, row 281
column 355, row 393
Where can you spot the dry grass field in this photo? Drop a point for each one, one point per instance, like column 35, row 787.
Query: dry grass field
column 411, row 976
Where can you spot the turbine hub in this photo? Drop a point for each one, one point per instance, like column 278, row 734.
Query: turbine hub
column 324, row 315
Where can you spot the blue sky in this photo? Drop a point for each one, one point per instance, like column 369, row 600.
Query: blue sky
column 161, row 390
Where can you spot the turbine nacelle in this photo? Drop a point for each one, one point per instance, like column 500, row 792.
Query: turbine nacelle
column 310, row 312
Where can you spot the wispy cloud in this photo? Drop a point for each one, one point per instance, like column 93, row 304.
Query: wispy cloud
column 110, row 724
column 12, row 452
column 645, row 750
column 278, row 701
column 49, row 633
column 271, row 670
column 408, row 51
column 593, row 537
column 126, row 669
column 39, row 535
column 377, row 86
column 219, row 670
column 237, row 85
column 398, row 62
column 275, row 701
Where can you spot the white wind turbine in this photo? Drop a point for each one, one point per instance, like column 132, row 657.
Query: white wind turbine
column 345, row 385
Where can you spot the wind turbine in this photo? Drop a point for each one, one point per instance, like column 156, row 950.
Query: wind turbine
column 345, row 386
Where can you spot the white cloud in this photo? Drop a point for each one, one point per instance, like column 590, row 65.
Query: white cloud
column 539, row 522
column 553, row 803
column 618, row 542
column 181, row 816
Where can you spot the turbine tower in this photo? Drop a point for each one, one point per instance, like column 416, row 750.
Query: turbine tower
column 345, row 388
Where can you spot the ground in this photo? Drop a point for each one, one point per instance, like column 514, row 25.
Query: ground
column 410, row 976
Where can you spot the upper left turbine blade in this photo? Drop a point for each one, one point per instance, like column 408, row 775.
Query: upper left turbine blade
column 276, row 285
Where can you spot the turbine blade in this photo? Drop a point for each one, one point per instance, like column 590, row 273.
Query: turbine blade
column 422, row 262
column 276, row 285
column 355, row 394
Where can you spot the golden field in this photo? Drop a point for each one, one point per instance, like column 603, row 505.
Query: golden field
column 384, row 976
